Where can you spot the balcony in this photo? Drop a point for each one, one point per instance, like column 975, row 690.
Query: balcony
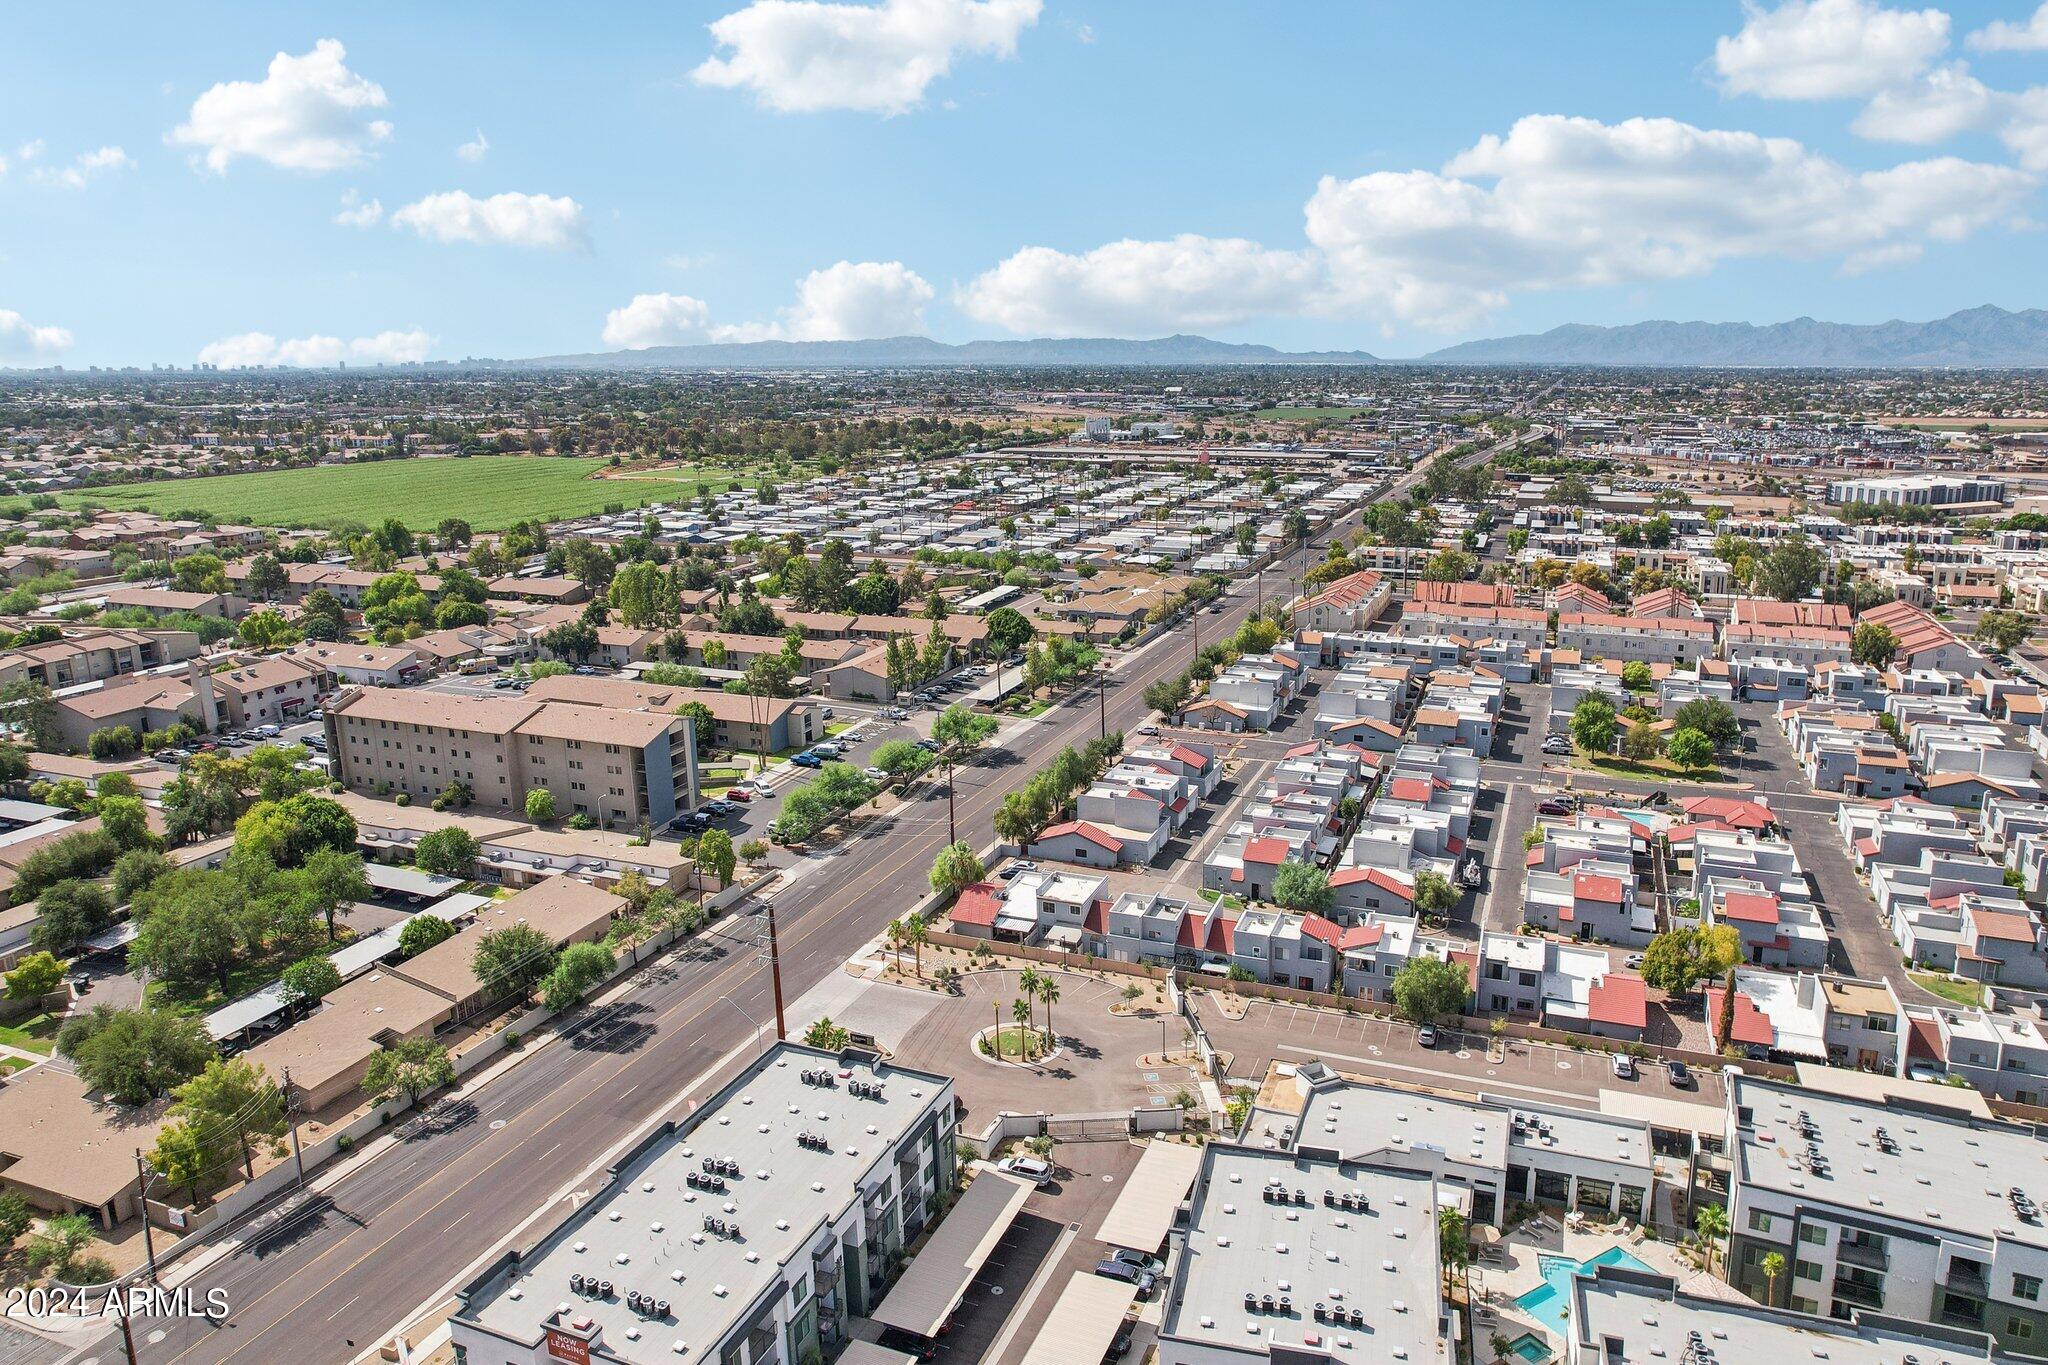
column 1859, row 1295
column 1967, row 1277
column 1862, row 1254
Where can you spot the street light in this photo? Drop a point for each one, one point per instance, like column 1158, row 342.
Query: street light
column 749, row 1017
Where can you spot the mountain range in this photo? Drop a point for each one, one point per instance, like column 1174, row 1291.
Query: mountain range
column 1986, row 337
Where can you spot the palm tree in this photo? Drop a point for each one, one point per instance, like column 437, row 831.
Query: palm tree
column 1711, row 1223
column 1049, row 992
column 918, row 934
column 1773, row 1265
column 1020, row 1010
column 1028, row 981
column 896, row 935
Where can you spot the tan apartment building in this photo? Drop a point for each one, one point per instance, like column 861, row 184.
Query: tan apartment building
column 615, row 766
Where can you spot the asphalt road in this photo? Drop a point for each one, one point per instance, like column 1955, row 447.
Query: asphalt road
column 404, row 1224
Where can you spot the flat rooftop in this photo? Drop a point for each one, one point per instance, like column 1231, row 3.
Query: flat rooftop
column 1379, row 1259
column 1360, row 1118
column 1651, row 1319
column 1930, row 1167
column 645, row 1230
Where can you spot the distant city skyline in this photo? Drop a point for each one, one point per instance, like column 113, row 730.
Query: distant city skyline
column 242, row 184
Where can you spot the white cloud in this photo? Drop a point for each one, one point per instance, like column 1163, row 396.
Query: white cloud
column 1562, row 202
column 2004, row 35
column 801, row 56
column 308, row 113
column 316, row 351
column 1136, row 287
column 19, row 336
column 1555, row 203
column 543, row 221
column 850, row 300
column 1828, row 49
column 84, row 168
column 853, row 300
column 657, row 320
column 357, row 211
column 30, row 150
column 1946, row 102
column 474, row 150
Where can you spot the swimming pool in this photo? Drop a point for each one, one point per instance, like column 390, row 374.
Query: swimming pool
column 1547, row 1302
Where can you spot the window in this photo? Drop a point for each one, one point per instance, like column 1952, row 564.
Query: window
column 1759, row 1221
column 2019, row 1327
column 1814, row 1235
column 2027, row 1287
column 1806, row 1270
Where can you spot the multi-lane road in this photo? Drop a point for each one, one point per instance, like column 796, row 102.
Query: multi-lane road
column 402, row 1224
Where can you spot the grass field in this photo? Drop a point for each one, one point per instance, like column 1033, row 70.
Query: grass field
column 1309, row 414
column 1948, row 988
column 490, row 492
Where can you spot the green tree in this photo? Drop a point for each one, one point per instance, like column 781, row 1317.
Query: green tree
column 1690, row 749
column 135, row 1055
column 235, row 1105
column 1713, row 718
column 702, row 723
column 412, row 1068
column 110, row 743
column 1790, row 570
column 266, row 630
column 956, row 868
column 135, row 870
column 1427, row 989
column 540, row 806
column 182, row 1157
column 70, row 913
column 1593, row 724
column 1009, row 630
column 125, row 821
column 449, row 852
column 266, row 578
column 1679, row 959
column 422, row 932
column 1434, row 893
column 901, row 758
column 1711, row 1223
column 512, row 960
column 188, row 939
column 35, row 976
column 1641, row 742
column 308, row 981
column 1635, row 676
column 715, row 855
column 2003, row 630
column 827, row 1036
column 1772, row 1265
column 1302, row 887
column 32, row 707
column 1168, row 695
column 579, row 967
column 57, row 1244
column 287, row 832
column 199, row 573
column 1873, row 644
column 645, row 597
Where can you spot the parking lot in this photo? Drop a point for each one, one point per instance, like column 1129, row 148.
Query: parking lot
column 1100, row 1067
column 1387, row 1048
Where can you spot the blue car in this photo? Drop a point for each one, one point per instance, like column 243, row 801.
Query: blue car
column 808, row 761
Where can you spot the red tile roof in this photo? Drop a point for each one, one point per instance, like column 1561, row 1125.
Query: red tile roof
column 1361, row 936
column 1266, row 851
column 1744, row 908
column 1592, row 886
column 2003, row 926
column 1618, row 999
column 977, row 905
column 1752, row 1027
column 1091, row 833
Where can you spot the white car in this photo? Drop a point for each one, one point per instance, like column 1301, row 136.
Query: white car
column 1037, row 1170
column 874, row 774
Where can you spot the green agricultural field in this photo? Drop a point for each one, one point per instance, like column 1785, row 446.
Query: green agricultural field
column 1310, row 414
column 490, row 492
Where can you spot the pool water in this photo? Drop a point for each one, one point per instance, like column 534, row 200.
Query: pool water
column 1547, row 1302
column 1529, row 1347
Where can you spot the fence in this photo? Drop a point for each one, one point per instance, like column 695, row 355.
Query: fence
column 1358, row 1005
column 1109, row 1126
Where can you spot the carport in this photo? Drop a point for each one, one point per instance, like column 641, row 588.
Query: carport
column 408, row 883
column 932, row 1287
column 1143, row 1213
column 1084, row 1322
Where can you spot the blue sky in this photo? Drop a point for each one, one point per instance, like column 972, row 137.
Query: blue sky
column 1389, row 177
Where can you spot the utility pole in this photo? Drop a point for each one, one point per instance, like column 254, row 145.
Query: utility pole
column 952, row 834
column 1102, row 701
column 127, row 1333
column 775, row 971
column 142, row 1196
column 291, row 1113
